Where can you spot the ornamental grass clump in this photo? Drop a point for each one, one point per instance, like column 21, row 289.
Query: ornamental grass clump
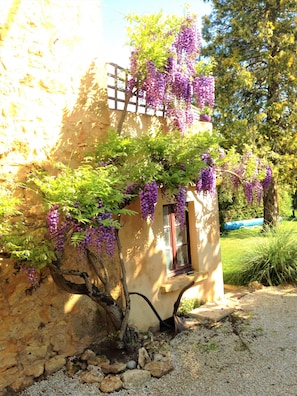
column 272, row 261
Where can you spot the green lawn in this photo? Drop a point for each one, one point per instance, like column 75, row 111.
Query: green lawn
column 235, row 243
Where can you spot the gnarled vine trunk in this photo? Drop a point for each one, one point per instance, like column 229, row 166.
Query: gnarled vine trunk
column 101, row 295
column 110, row 306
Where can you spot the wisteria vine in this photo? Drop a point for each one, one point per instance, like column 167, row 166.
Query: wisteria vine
column 175, row 85
column 32, row 274
column 205, row 183
column 97, row 234
column 148, row 196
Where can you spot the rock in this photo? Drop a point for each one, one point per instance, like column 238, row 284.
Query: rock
column 114, row 368
column 94, row 374
column 54, row 364
column 88, row 354
column 131, row 365
column 143, row 357
column 159, row 368
column 99, row 361
column 34, row 369
column 135, row 378
column 158, row 357
column 255, row 286
column 72, row 368
column 111, row 383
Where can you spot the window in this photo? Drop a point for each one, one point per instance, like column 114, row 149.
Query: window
column 177, row 243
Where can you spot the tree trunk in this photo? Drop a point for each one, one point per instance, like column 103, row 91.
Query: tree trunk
column 124, row 325
column 271, row 213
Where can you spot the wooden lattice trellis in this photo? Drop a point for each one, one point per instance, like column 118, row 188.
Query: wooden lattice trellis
column 117, row 87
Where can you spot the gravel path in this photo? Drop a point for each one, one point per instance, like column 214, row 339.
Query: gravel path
column 251, row 353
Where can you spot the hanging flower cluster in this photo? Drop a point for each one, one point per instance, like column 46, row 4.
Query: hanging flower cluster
column 253, row 187
column 148, row 196
column 255, row 184
column 32, row 274
column 97, row 233
column 175, row 85
column 181, row 201
column 204, row 90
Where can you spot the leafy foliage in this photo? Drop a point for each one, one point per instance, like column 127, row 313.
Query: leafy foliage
column 187, row 305
column 253, row 45
column 233, row 206
column 154, row 35
column 24, row 246
column 169, row 159
column 8, row 206
column 84, row 205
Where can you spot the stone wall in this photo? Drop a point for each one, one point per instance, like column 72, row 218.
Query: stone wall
column 53, row 97
column 39, row 330
column 53, row 107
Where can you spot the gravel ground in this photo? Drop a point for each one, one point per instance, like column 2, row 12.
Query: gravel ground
column 251, row 353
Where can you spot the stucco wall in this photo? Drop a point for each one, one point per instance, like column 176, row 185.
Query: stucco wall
column 143, row 244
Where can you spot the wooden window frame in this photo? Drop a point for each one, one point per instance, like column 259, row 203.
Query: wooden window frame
column 177, row 269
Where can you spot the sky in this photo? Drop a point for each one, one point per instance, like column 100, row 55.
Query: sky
column 115, row 25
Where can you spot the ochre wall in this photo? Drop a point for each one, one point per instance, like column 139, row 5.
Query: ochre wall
column 52, row 107
column 53, row 98
column 39, row 330
column 143, row 245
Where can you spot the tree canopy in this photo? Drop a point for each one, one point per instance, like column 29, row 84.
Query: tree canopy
column 254, row 46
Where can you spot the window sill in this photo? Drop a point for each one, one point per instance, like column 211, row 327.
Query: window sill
column 180, row 281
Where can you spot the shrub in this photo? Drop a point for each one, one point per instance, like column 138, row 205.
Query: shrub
column 187, row 305
column 272, row 262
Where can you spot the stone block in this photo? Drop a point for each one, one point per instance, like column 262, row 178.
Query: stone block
column 110, row 384
column 211, row 311
column 54, row 364
column 94, row 374
column 135, row 378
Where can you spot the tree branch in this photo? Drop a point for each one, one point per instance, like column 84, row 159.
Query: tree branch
column 92, row 258
column 125, row 289
column 87, row 288
column 231, row 173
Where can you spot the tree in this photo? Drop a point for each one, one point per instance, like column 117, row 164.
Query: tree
column 254, row 46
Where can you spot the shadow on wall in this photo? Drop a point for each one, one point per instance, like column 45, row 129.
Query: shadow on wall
column 86, row 122
column 209, row 252
column 40, row 330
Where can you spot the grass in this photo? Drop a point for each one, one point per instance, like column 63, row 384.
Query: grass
column 238, row 243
